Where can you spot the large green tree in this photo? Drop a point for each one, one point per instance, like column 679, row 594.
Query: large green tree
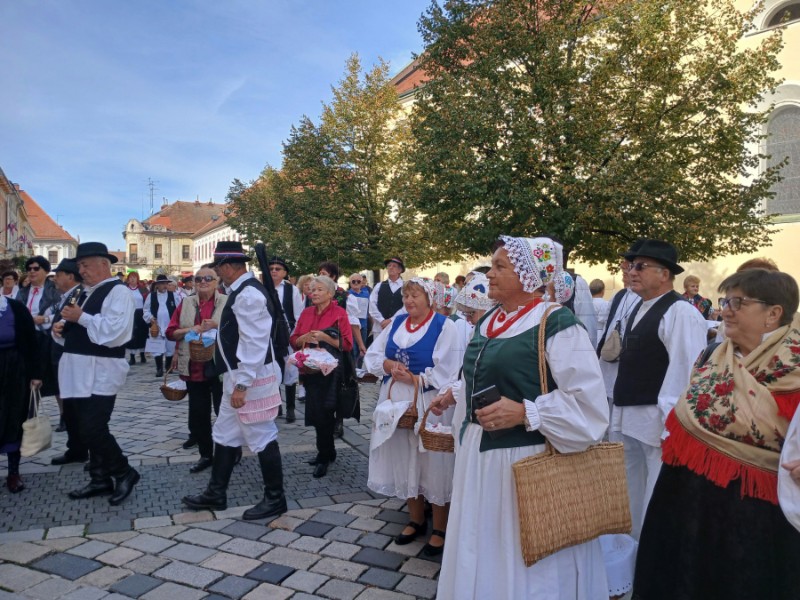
column 345, row 191
column 597, row 122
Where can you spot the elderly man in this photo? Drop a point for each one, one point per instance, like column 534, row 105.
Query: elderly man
column 387, row 296
column 663, row 337
column 244, row 354
column 93, row 368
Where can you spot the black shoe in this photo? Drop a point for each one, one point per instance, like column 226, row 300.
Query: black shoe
column 274, row 502
column 431, row 551
column 321, row 470
column 406, row 538
column 132, row 360
column 124, row 486
column 206, row 501
column 215, row 496
column 65, row 459
column 189, row 443
column 280, row 410
column 62, row 426
column 159, row 373
column 316, row 460
column 93, row 488
column 290, row 417
column 142, row 359
column 14, row 483
column 338, row 429
column 201, row 465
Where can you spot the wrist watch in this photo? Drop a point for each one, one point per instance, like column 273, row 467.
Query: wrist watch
column 240, row 388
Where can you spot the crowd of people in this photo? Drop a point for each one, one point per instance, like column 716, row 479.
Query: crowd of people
column 701, row 397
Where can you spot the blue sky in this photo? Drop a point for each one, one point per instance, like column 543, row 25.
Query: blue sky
column 98, row 95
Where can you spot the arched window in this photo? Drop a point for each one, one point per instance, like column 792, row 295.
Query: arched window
column 783, row 141
column 785, row 14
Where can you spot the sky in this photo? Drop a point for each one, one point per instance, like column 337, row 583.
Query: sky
column 98, row 97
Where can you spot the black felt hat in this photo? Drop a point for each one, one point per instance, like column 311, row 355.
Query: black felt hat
column 663, row 252
column 395, row 259
column 68, row 265
column 277, row 260
column 229, row 252
column 94, row 249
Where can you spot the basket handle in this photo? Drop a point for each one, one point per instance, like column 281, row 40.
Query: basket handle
column 415, row 379
column 424, row 419
column 543, row 363
column 171, row 368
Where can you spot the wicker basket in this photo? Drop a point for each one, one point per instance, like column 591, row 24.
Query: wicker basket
column 153, row 328
column 435, row 442
column 171, row 393
column 409, row 418
column 200, row 353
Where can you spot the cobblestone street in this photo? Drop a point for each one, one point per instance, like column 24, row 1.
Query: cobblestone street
column 335, row 541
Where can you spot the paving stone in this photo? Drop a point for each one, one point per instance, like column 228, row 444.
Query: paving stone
column 271, row 573
column 343, row 534
column 136, row 585
column 31, row 535
column 201, row 537
column 291, row 558
column 334, row 518
column 91, row 549
column 22, row 552
column 114, row 537
column 379, row 558
column 192, row 517
column 104, row 577
column 61, row 544
column 231, row 513
column 315, row 502
column 65, row 531
column 352, row 497
column 119, row 556
column 360, row 510
column 286, row 523
column 381, row 578
column 52, row 588
column 375, row 540
column 313, row 528
column 232, row 564
column 247, row 548
column 309, row 544
column 392, row 529
column 340, row 550
column 151, row 544
column 114, row 526
column 244, row 530
column 394, row 504
column 375, row 500
column 213, row 525
column 88, row 593
column 146, row 564
column 341, row 569
column 233, row 587
column 173, row 591
column 67, row 566
column 420, row 568
column 169, row 531
column 410, row 549
column 379, row 594
column 279, row 537
column 188, row 553
column 367, row 524
column 302, row 513
column 17, row 578
column 417, row 586
column 304, row 581
column 340, row 590
column 267, row 591
column 150, row 522
column 192, row 575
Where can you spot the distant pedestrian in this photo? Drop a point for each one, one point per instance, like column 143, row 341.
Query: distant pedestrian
column 10, row 284
column 139, row 338
column 158, row 310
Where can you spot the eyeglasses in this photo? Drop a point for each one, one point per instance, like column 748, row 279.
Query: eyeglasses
column 206, row 278
column 34, row 268
column 641, row 266
column 277, row 269
column 355, row 281
column 736, row 302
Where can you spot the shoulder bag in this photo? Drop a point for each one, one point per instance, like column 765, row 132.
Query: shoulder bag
column 37, row 433
column 348, row 399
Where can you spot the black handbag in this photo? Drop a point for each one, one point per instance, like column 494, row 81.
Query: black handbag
column 348, row 399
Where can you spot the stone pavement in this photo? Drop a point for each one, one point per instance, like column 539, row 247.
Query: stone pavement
column 335, row 542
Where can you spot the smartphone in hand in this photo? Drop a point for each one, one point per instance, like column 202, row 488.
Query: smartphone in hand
column 485, row 398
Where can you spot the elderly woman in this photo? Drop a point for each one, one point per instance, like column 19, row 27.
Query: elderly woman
column 691, row 293
column 484, row 557
column 199, row 313
column 325, row 325
column 713, row 527
column 139, row 338
column 418, row 350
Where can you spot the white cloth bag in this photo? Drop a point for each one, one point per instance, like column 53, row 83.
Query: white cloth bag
column 37, row 433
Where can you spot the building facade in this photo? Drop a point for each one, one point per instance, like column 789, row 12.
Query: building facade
column 16, row 233
column 49, row 239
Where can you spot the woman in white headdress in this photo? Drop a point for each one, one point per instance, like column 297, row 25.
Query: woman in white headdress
column 483, row 557
column 418, row 350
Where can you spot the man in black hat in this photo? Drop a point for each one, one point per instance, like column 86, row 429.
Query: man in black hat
column 663, row 337
column 245, row 356
column 386, row 299
column 159, row 308
column 292, row 303
column 93, row 368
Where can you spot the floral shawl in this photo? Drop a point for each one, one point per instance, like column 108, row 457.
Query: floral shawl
column 732, row 420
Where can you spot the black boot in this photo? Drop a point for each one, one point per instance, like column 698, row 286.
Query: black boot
column 274, row 502
column 132, row 360
column 159, row 365
column 142, row 359
column 215, row 497
column 291, row 393
column 168, row 364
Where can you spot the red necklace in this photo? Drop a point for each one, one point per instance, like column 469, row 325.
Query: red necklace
column 500, row 317
column 412, row 328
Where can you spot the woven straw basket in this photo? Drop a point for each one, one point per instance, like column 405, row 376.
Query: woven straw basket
column 199, row 353
column 568, row 499
column 171, row 393
column 409, row 418
column 433, row 441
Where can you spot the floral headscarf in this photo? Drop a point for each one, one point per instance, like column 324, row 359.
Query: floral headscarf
column 433, row 289
column 537, row 262
column 475, row 294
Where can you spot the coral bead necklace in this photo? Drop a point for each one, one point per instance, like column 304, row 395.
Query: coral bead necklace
column 504, row 323
column 410, row 328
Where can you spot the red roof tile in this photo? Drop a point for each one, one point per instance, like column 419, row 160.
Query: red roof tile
column 185, row 217
column 215, row 222
column 44, row 227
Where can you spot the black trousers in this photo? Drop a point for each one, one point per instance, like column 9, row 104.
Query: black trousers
column 203, row 396
column 324, row 426
column 75, row 446
column 94, row 414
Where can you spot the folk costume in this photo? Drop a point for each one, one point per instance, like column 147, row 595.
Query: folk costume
column 397, row 465
column 140, row 333
column 41, row 301
column 482, row 557
column 292, row 304
column 386, row 299
column 160, row 307
column 713, row 527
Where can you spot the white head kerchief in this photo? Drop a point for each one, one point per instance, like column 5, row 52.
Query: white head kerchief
column 537, row 262
column 429, row 285
column 475, row 294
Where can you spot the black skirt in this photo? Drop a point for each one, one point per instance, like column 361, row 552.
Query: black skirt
column 14, row 396
column 140, row 331
column 320, row 398
column 702, row 541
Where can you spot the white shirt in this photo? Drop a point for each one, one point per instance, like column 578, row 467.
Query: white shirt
column 682, row 330
column 374, row 313
column 624, row 309
column 163, row 316
column 81, row 376
column 601, row 308
column 255, row 324
column 584, row 308
column 297, row 300
column 357, row 309
column 138, row 299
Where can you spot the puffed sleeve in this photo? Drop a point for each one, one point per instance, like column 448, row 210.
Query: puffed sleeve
column 376, row 354
column 446, row 359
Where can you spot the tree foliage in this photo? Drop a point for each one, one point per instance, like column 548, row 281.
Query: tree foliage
column 345, row 190
column 597, row 122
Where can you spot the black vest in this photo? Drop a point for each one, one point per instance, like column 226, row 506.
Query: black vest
column 389, row 302
column 288, row 304
column 56, row 350
column 76, row 338
column 154, row 304
column 228, row 335
column 644, row 359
